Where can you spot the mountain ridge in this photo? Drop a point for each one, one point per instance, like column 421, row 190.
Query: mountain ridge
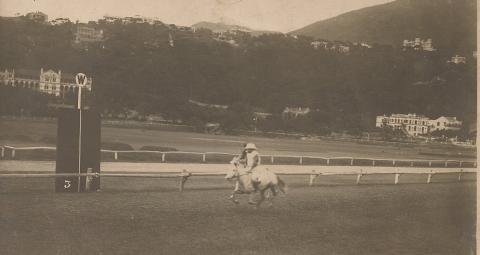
column 451, row 24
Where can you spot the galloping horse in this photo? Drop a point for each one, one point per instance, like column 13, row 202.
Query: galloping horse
column 260, row 180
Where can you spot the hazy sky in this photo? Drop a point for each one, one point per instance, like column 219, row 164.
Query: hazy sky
column 278, row 15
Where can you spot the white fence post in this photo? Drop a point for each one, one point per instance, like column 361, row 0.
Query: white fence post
column 271, row 159
column 116, row 155
column 163, row 157
column 328, row 161
column 351, row 162
column 446, row 163
column 313, row 175
column 3, row 152
column 359, row 176
column 460, row 175
column 373, row 162
column 204, row 157
column 429, row 178
column 397, row 178
column 430, row 163
column 183, row 178
column 88, row 179
column 301, row 160
column 393, row 162
column 13, row 153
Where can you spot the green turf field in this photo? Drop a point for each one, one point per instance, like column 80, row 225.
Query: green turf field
column 149, row 216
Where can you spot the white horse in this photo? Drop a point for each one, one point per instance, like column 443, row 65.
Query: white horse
column 261, row 179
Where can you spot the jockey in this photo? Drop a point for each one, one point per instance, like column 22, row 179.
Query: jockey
column 252, row 158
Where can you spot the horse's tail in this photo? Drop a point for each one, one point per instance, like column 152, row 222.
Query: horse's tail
column 282, row 185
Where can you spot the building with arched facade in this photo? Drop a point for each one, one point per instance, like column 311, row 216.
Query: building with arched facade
column 49, row 81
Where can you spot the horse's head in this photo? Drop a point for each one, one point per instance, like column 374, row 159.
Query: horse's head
column 233, row 169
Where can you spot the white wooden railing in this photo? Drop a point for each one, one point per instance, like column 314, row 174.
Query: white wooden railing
column 184, row 174
column 9, row 152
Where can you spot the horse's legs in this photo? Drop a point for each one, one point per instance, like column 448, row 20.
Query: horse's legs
column 251, row 190
column 250, row 198
column 235, row 191
column 262, row 198
column 233, row 198
column 271, row 193
column 274, row 190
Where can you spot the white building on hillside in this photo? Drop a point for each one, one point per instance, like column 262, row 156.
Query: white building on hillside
column 319, row 44
column 294, row 112
column 458, row 59
column 410, row 124
column 60, row 21
column 50, row 82
column 445, row 123
column 415, row 125
column 419, row 44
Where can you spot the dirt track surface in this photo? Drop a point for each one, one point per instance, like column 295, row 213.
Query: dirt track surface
column 149, row 216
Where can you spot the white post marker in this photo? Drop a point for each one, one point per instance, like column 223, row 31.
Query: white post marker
column 81, row 80
column 397, row 178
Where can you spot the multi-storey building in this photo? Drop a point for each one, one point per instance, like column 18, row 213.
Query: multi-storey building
column 50, row 82
column 419, row 44
column 415, row 125
column 319, row 44
column 410, row 124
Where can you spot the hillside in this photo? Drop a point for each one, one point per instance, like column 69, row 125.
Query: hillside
column 222, row 27
column 451, row 24
column 137, row 69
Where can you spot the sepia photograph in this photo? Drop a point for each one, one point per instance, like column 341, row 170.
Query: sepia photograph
column 273, row 127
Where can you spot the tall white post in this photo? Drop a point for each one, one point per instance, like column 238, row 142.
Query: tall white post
column 79, row 136
column 81, row 80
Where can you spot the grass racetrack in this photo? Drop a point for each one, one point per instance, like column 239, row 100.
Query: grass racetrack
column 149, row 216
column 21, row 133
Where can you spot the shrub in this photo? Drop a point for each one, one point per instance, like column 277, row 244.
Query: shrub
column 116, row 146
column 157, row 148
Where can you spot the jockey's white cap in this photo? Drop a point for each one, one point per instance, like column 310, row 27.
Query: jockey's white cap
column 250, row 146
